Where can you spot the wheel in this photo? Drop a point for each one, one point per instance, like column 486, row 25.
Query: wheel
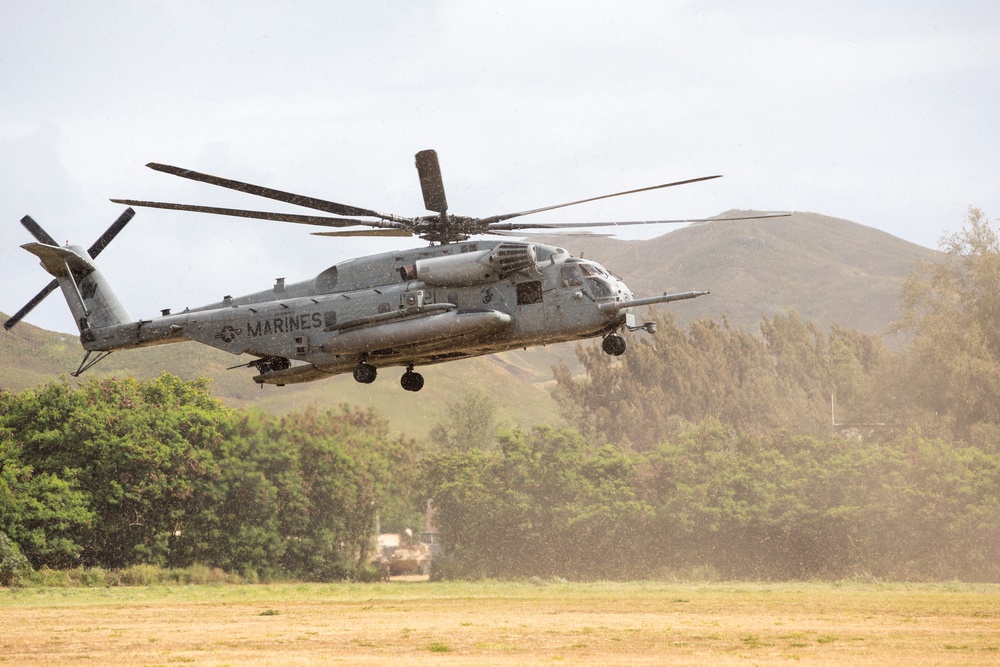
column 412, row 381
column 614, row 345
column 365, row 373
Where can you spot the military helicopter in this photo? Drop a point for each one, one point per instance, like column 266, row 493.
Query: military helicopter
column 459, row 297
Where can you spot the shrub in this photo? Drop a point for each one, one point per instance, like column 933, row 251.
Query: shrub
column 367, row 574
column 198, row 574
column 141, row 575
column 15, row 570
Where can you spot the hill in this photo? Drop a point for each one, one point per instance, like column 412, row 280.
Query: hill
column 30, row 356
column 828, row 270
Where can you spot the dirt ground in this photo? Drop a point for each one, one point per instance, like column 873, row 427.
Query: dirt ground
column 420, row 623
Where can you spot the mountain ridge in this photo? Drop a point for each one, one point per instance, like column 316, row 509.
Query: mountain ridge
column 828, row 270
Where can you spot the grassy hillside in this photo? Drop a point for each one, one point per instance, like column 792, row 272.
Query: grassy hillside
column 30, row 356
column 829, row 270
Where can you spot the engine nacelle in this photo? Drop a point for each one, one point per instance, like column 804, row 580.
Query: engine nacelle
column 472, row 268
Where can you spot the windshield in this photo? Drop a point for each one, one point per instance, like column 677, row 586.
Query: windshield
column 601, row 288
column 593, row 270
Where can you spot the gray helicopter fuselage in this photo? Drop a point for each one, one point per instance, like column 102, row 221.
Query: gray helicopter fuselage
column 411, row 307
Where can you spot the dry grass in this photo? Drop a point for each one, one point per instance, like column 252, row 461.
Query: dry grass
column 504, row 624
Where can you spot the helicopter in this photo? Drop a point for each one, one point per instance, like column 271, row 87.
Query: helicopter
column 461, row 296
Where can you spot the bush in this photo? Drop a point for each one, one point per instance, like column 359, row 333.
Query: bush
column 141, row 575
column 202, row 574
column 367, row 574
column 15, row 570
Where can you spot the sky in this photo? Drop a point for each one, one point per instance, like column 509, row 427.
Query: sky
column 882, row 113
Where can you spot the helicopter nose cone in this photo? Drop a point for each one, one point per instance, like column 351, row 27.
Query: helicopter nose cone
column 626, row 293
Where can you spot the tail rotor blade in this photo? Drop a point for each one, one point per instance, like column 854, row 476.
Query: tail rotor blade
column 431, row 183
column 100, row 244
column 104, row 239
column 28, row 307
column 37, row 231
column 43, row 237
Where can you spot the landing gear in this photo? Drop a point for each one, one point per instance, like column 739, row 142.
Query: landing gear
column 365, row 373
column 614, row 345
column 411, row 380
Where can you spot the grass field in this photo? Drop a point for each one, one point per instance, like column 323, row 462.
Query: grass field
column 408, row 623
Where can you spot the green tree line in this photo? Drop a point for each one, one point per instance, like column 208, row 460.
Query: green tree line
column 716, row 499
column 125, row 472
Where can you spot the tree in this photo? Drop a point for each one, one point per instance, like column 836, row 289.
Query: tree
column 337, row 469
column 14, row 567
column 952, row 369
column 472, row 422
column 545, row 503
column 134, row 450
column 783, row 379
column 121, row 472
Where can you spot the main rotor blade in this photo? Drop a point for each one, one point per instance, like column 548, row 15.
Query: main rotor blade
column 36, row 230
column 110, row 233
column 270, row 193
column 567, row 225
column 431, row 183
column 260, row 215
column 508, row 216
column 28, row 307
column 367, row 232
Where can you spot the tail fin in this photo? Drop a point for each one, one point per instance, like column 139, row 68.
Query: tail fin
column 90, row 297
column 107, row 309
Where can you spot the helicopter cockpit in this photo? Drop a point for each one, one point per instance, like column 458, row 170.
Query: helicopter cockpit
column 598, row 281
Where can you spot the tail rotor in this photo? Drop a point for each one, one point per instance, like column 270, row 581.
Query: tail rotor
column 43, row 237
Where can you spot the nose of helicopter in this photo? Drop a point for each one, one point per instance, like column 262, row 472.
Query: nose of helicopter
column 620, row 291
column 624, row 293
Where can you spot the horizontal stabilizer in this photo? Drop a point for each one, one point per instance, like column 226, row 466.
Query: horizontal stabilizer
column 56, row 260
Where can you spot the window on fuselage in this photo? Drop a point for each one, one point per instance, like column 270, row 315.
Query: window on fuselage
column 529, row 292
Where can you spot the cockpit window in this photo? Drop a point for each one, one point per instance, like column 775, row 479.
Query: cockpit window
column 593, row 270
column 600, row 288
column 570, row 277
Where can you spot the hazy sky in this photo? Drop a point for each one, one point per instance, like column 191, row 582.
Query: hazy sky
column 884, row 113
